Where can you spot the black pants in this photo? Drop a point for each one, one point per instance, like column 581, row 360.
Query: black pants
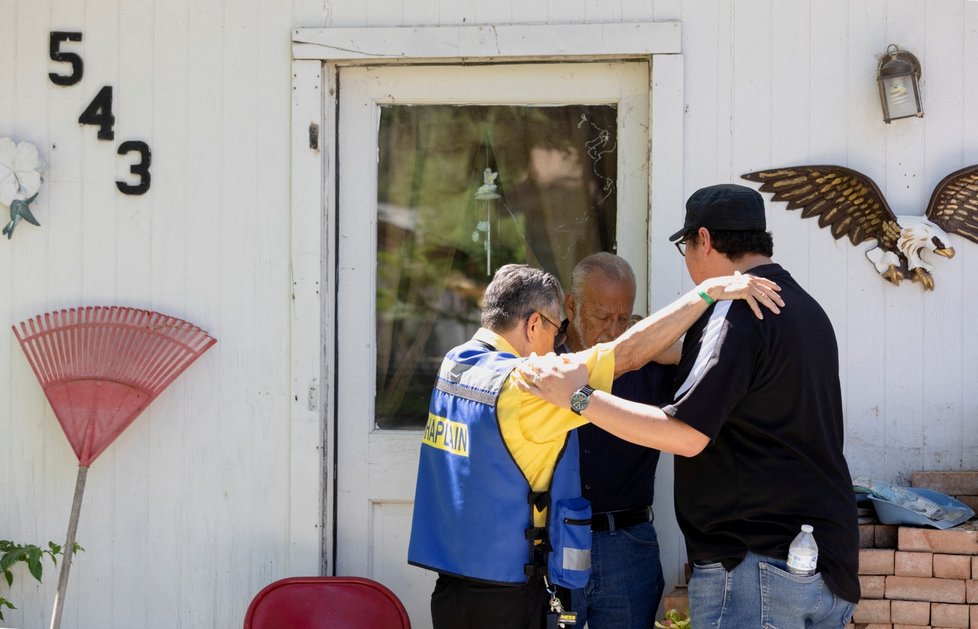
column 465, row 604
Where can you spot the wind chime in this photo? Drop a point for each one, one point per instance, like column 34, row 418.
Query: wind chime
column 487, row 194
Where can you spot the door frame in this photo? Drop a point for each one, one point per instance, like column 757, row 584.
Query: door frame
column 317, row 55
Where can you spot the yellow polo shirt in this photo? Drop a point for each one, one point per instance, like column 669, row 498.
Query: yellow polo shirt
column 533, row 429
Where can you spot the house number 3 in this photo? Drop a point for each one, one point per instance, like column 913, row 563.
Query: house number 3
column 99, row 111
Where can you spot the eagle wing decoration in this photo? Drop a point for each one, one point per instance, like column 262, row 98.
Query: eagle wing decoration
column 954, row 204
column 845, row 200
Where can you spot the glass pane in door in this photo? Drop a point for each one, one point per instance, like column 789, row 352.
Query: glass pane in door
column 463, row 190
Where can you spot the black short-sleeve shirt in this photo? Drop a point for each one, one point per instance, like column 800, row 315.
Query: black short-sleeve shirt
column 766, row 392
column 616, row 474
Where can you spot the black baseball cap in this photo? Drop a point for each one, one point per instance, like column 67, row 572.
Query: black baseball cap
column 725, row 206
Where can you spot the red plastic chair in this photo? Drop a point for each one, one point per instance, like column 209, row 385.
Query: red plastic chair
column 326, row 603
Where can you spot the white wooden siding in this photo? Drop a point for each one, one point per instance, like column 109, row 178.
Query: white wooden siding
column 205, row 498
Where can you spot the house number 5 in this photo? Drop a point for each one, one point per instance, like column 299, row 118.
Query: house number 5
column 99, row 111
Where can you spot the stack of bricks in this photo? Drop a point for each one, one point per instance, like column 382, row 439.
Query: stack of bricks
column 912, row 577
column 921, row 577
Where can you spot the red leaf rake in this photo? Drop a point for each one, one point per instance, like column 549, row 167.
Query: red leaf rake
column 100, row 367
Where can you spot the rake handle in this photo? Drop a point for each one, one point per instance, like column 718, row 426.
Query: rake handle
column 69, row 547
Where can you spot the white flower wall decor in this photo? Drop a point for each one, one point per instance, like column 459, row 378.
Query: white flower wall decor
column 20, row 181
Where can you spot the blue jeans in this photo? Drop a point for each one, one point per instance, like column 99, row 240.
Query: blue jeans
column 760, row 592
column 626, row 582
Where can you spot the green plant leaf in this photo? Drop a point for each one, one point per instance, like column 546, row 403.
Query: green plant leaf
column 34, row 563
column 12, row 557
column 9, row 576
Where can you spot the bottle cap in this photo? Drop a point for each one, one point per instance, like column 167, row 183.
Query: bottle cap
column 807, row 528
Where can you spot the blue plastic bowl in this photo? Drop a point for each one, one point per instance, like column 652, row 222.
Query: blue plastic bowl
column 889, row 513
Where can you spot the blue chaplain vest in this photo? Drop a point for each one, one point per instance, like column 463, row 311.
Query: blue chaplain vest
column 473, row 505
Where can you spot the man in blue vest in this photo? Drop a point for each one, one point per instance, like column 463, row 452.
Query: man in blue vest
column 496, row 461
column 617, row 477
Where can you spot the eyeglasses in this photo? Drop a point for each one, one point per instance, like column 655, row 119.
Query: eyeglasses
column 681, row 246
column 561, row 335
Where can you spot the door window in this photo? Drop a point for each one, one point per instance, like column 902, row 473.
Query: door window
column 461, row 191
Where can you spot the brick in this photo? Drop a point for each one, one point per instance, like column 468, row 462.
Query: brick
column 974, row 567
column 677, row 599
column 874, row 586
column 910, row 612
column 971, row 591
column 959, row 540
column 974, row 615
column 872, row 610
column 875, row 561
column 867, row 536
column 952, row 566
column 947, row 482
column 885, row 536
column 907, row 564
column 925, row 589
column 946, row 615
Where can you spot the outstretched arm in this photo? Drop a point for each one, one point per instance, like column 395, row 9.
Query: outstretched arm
column 651, row 336
column 555, row 378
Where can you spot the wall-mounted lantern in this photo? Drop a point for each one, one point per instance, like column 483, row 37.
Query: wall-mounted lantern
column 897, row 76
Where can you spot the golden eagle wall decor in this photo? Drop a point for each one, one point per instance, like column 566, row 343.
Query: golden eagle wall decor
column 850, row 204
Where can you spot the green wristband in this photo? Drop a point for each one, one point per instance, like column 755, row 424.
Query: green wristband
column 709, row 300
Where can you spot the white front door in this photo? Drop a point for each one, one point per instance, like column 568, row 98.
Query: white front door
column 421, row 227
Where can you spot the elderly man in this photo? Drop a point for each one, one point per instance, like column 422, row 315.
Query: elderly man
column 617, row 477
column 496, row 462
column 758, row 418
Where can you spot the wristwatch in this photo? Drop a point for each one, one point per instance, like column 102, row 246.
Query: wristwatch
column 581, row 398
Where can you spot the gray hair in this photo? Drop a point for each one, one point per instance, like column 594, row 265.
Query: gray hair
column 516, row 292
column 615, row 268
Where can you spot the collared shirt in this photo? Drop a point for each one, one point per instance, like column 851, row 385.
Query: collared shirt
column 534, row 429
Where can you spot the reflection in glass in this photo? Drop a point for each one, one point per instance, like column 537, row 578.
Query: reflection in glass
column 461, row 191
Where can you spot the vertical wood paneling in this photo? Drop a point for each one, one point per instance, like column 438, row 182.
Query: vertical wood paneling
column 724, row 78
column 704, row 91
column 385, row 12
column 27, row 288
column 865, row 369
column 533, row 11
column 456, row 11
column 967, row 253
column 944, row 318
column 903, row 188
column 645, row 10
column 790, row 115
column 130, row 474
column 494, row 12
column 239, row 225
column 663, row 9
column 827, row 137
column 200, row 564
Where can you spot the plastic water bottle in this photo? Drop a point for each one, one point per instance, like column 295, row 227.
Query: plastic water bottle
column 803, row 552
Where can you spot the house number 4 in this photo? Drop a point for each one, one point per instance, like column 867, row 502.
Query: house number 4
column 99, row 112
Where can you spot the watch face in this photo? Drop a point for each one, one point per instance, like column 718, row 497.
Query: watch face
column 579, row 401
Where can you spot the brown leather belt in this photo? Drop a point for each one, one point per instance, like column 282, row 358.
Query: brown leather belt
column 620, row 519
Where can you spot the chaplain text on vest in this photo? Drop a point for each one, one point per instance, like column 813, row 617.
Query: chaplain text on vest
column 447, row 435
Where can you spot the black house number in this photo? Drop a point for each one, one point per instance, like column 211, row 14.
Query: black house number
column 98, row 113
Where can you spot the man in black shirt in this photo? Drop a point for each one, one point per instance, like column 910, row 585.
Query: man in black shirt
column 758, row 413
column 617, row 477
